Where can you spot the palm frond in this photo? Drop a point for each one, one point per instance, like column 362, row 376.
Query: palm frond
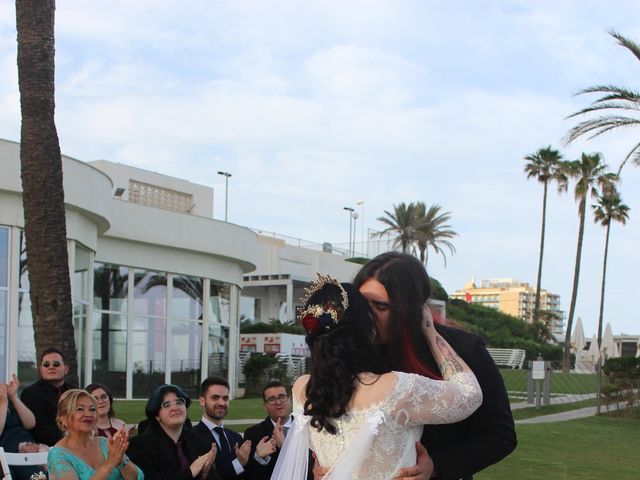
column 614, row 92
column 627, row 43
column 600, row 125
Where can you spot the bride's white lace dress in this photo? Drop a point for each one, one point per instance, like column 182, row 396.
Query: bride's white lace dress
column 375, row 442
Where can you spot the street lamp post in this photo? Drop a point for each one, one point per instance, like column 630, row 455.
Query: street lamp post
column 354, row 215
column 361, row 203
column 350, row 210
column 226, row 176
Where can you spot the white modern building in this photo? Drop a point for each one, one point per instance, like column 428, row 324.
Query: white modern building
column 274, row 289
column 155, row 279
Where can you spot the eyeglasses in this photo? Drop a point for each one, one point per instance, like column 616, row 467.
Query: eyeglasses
column 283, row 397
column 104, row 397
column 177, row 402
column 55, row 364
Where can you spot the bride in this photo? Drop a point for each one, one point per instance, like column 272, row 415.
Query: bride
column 360, row 421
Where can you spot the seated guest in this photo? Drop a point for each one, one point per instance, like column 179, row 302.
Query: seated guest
column 15, row 420
column 107, row 425
column 268, row 436
column 233, row 453
column 166, row 450
column 42, row 397
column 82, row 455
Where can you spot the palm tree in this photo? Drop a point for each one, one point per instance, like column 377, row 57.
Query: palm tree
column 618, row 108
column 433, row 231
column 403, row 223
column 609, row 208
column 42, row 191
column 544, row 165
column 590, row 173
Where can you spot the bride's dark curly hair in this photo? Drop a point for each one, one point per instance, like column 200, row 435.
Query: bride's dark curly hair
column 338, row 355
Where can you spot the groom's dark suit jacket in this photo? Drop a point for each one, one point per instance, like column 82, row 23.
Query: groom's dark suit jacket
column 256, row 471
column 459, row 450
column 224, row 467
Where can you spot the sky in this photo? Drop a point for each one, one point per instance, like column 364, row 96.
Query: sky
column 317, row 105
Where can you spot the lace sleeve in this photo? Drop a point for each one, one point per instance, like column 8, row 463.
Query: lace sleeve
column 423, row 400
column 60, row 466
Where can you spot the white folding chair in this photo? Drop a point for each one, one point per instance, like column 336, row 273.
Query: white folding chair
column 20, row 460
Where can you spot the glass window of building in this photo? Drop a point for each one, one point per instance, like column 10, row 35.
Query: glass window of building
column 186, row 350
column 219, row 302
column 109, row 337
column 27, row 370
column 110, row 287
column 80, row 297
column 109, row 365
column 150, row 293
column 149, row 357
column 186, row 297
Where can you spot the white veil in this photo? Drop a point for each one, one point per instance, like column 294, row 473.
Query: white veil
column 293, row 459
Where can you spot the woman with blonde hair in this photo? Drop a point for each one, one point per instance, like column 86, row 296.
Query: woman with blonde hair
column 81, row 454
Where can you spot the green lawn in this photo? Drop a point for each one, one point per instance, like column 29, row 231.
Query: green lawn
column 561, row 383
column 587, row 449
column 132, row 411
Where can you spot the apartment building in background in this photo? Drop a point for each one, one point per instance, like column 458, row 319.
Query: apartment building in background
column 515, row 298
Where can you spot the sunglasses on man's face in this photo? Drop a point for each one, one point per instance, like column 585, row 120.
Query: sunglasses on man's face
column 54, row 364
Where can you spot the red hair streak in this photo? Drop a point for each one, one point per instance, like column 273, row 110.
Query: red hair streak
column 410, row 360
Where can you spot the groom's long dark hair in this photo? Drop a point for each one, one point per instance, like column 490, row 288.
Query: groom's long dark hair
column 338, row 355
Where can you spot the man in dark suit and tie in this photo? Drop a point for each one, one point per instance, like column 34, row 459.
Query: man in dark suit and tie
column 233, row 453
column 268, row 436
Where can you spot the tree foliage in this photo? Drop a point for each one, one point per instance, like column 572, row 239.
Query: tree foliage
column 616, row 109
column 262, row 368
column 500, row 330
column 545, row 166
column 417, row 226
column 272, row 326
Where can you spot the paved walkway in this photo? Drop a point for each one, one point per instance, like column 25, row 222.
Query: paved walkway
column 562, row 416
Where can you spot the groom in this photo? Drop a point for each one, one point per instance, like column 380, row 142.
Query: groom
column 397, row 284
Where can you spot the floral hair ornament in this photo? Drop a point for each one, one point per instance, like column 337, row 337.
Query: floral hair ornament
column 315, row 318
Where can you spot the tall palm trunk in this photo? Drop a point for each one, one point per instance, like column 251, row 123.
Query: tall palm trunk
column 41, row 170
column 601, row 318
column 566, row 360
column 536, row 308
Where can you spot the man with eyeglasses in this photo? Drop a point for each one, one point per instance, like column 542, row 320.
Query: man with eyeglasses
column 233, row 453
column 268, row 436
column 42, row 397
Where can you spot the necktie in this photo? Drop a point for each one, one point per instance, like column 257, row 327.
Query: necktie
column 224, row 443
column 285, row 430
column 184, row 463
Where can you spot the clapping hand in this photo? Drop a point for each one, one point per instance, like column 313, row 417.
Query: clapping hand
column 243, row 451
column 266, row 447
column 278, row 434
column 12, row 386
column 117, row 447
column 210, row 457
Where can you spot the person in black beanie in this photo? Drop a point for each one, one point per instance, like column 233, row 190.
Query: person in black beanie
column 166, row 450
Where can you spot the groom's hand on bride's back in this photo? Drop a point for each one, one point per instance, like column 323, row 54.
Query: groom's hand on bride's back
column 423, row 468
column 318, row 471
